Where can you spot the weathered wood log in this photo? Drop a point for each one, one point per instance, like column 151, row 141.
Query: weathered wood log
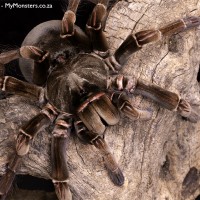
column 160, row 158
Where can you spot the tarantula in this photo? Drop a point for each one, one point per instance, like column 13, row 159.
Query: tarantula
column 74, row 77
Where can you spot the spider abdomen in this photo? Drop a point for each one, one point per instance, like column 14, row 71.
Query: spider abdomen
column 46, row 36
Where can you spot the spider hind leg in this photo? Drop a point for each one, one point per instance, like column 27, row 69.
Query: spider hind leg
column 135, row 41
column 69, row 18
column 95, row 26
column 40, row 63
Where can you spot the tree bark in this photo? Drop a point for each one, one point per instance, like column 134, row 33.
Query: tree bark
column 160, row 158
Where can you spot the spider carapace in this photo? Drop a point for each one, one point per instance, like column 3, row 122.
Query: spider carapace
column 77, row 82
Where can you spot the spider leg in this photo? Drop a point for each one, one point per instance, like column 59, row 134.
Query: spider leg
column 72, row 32
column 95, row 26
column 28, row 52
column 12, row 85
column 186, row 110
column 135, row 42
column 39, row 56
column 40, row 66
column 163, row 97
column 114, row 171
column 60, row 173
column 69, row 18
column 89, row 137
column 121, row 100
column 167, row 99
column 25, row 136
column 94, row 114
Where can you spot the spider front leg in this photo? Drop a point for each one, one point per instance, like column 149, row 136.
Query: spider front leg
column 25, row 136
column 60, row 173
column 135, row 42
column 163, row 97
column 95, row 139
column 94, row 114
column 94, row 29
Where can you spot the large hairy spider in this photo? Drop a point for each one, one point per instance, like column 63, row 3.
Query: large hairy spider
column 77, row 81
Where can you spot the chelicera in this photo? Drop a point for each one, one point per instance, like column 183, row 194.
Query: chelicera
column 77, row 81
